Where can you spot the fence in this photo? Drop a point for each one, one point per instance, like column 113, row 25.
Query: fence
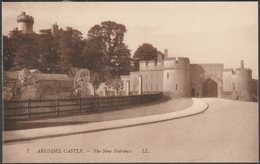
column 56, row 107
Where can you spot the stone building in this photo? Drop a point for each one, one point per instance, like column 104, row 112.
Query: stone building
column 179, row 78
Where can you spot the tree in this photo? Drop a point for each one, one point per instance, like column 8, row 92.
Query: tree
column 26, row 53
column 144, row 52
column 91, row 56
column 121, row 62
column 95, row 80
column 48, row 52
column 115, row 83
column 70, row 44
column 115, row 53
column 8, row 53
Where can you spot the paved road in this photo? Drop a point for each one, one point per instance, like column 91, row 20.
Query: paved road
column 227, row 131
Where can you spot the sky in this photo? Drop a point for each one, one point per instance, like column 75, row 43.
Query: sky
column 206, row 32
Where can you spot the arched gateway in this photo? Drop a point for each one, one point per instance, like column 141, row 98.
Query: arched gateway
column 210, row 86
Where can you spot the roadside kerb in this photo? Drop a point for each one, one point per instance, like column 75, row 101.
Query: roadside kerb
column 198, row 106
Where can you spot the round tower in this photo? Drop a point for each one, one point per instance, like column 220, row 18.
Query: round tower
column 25, row 23
column 177, row 76
column 54, row 29
column 242, row 79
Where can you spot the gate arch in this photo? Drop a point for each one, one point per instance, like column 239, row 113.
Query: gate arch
column 211, row 79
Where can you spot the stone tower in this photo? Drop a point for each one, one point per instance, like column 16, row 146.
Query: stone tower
column 54, row 29
column 25, row 23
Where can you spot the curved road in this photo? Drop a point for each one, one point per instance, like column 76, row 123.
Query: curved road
column 227, row 131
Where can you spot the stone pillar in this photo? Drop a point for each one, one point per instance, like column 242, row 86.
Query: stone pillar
column 140, row 85
column 127, row 87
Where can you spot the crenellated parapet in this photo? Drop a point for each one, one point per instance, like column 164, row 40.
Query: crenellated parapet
column 169, row 63
column 25, row 23
column 177, row 63
column 25, row 18
column 150, row 65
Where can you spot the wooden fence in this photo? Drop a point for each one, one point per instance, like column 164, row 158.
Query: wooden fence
column 56, row 107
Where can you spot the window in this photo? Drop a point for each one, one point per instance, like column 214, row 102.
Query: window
column 176, row 86
column 233, row 86
column 146, row 87
column 151, row 87
column 157, row 87
column 168, row 75
column 151, row 76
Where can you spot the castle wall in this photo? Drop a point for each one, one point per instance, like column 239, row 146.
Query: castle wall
column 126, row 80
column 150, row 65
column 228, row 80
column 134, row 83
column 201, row 72
column 152, row 81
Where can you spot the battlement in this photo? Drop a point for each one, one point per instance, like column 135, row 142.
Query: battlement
column 177, row 63
column 25, row 18
column 169, row 63
column 150, row 65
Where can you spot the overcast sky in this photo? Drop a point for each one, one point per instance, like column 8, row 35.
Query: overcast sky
column 206, row 32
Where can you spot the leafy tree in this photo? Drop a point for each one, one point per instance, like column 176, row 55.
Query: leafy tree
column 8, row 53
column 48, row 52
column 70, row 44
column 144, row 52
column 114, row 52
column 95, row 80
column 91, row 56
column 26, row 53
column 115, row 83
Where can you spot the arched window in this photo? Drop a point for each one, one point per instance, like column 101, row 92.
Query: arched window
column 168, row 75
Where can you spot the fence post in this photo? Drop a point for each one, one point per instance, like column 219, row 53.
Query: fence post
column 96, row 103
column 58, row 106
column 28, row 108
column 80, row 103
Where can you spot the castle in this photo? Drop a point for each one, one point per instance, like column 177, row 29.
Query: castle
column 178, row 77
column 25, row 24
